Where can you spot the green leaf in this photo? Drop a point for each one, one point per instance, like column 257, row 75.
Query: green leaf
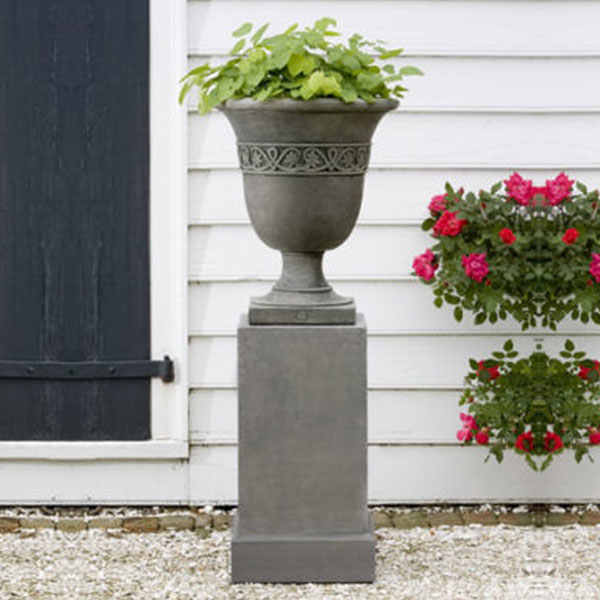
column 531, row 462
column 458, row 313
column 480, row 318
column 569, row 345
column 259, row 33
column 369, row 81
column 404, row 71
column 242, row 30
column 324, row 23
column 387, row 54
column 238, row 47
column 389, row 69
column 318, row 82
column 438, row 302
column 301, row 63
column 508, row 345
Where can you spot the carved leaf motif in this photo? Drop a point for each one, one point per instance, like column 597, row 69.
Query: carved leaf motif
column 304, row 159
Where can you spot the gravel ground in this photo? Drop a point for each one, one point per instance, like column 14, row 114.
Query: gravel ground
column 448, row 563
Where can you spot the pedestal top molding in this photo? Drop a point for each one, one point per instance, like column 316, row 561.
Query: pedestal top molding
column 303, row 159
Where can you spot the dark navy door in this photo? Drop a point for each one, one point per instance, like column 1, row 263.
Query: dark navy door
column 74, row 241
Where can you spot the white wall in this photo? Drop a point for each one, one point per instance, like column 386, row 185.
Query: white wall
column 509, row 85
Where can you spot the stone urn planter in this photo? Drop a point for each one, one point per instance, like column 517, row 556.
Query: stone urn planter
column 303, row 164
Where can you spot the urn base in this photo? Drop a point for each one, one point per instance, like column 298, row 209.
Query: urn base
column 302, row 295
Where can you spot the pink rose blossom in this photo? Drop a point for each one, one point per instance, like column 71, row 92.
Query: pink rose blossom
column 449, row 224
column 476, row 266
column 482, row 437
column 519, row 189
column 438, row 204
column 594, row 436
column 558, row 189
column 465, row 434
column 424, row 265
column 595, row 267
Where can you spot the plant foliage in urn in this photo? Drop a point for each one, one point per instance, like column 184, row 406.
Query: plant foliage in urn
column 301, row 64
column 532, row 252
column 304, row 109
column 537, row 406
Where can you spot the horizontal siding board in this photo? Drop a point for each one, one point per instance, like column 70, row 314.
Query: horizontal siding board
column 438, row 139
column 471, row 27
column 392, row 360
column 492, row 84
column 222, row 249
column 403, row 308
column 423, row 474
column 98, row 482
column 390, row 194
column 407, row 417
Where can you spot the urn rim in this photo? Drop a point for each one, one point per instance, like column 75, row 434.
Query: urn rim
column 317, row 105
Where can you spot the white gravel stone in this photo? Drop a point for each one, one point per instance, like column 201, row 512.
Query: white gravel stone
column 451, row 563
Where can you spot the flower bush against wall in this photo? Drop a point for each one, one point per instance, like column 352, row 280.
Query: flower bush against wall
column 532, row 252
column 537, row 406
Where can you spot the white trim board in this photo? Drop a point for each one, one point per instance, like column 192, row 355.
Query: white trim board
column 168, row 252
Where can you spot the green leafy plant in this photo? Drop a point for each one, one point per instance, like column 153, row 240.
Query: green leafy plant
column 520, row 250
column 537, row 406
column 301, row 64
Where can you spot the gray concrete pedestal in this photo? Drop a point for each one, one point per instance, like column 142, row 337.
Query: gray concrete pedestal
column 302, row 513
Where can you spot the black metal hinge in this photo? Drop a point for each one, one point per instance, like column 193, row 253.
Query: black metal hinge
column 109, row 369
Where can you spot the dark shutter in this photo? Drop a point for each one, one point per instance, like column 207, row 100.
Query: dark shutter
column 74, row 212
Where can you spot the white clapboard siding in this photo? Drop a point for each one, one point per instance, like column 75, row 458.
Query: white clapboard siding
column 394, row 361
column 430, row 27
column 394, row 416
column 487, row 84
column 94, row 482
column 509, row 86
column 414, row 139
column 235, row 249
column 424, row 474
column 390, row 307
column 391, row 195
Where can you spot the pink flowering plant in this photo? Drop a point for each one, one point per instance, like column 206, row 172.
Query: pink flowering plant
column 536, row 406
column 532, row 252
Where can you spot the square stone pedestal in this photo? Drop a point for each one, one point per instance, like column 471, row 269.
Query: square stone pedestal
column 302, row 513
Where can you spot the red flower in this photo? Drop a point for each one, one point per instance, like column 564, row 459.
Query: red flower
column 594, row 436
column 585, row 371
column 570, row 236
column 425, row 266
column 449, row 224
column 519, row 189
column 475, row 266
column 493, row 371
column 558, row 189
column 507, row 236
column 552, row 441
column 525, row 442
column 482, row 437
column 438, row 203
column 595, row 267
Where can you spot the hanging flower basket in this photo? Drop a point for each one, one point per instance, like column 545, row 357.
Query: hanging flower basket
column 520, row 250
column 536, row 406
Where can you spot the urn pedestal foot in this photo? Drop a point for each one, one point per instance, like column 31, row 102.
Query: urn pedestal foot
column 302, row 295
column 302, row 474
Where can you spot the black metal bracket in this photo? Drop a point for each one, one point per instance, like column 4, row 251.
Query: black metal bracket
column 109, row 369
